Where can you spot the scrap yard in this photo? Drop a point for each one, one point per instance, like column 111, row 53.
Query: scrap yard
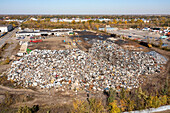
column 87, row 61
column 106, row 65
column 82, row 56
column 71, row 66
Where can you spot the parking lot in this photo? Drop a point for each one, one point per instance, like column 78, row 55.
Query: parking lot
column 142, row 36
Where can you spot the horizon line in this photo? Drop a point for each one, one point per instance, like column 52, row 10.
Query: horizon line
column 81, row 14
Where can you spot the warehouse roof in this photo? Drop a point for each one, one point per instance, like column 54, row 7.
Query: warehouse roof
column 43, row 31
column 4, row 25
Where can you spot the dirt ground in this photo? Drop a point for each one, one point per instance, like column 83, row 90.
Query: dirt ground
column 11, row 48
column 53, row 43
column 46, row 99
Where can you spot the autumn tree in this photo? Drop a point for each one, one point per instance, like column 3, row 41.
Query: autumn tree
column 149, row 102
column 130, row 104
column 93, row 106
column 24, row 109
column 160, row 43
column 114, row 108
column 73, row 22
column 123, row 105
column 110, row 22
column 96, row 105
column 132, row 21
column 80, row 106
column 79, row 21
column 97, row 26
column 125, row 22
column 115, row 21
column 156, row 102
column 163, row 99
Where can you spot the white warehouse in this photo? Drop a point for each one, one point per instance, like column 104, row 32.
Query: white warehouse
column 5, row 28
column 56, row 32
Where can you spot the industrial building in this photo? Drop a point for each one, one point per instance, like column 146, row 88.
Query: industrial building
column 23, row 49
column 5, row 28
column 55, row 32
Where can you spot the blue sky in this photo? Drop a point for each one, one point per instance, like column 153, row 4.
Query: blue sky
column 84, row 6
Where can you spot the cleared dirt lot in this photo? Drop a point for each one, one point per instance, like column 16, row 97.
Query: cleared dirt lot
column 53, row 43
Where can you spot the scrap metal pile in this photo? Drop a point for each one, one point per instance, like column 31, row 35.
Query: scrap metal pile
column 106, row 65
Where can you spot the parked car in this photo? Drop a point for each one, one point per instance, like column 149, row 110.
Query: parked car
column 32, row 38
column 18, row 38
column 22, row 37
column 36, row 41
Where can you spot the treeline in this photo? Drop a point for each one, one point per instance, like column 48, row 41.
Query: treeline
column 102, row 16
column 124, row 101
column 94, row 25
column 14, row 24
column 154, row 20
column 46, row 24
column 120, row 21
column 19, row 17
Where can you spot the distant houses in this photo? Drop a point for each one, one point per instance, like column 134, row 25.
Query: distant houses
column 77, row 20
column 93, row 19
column 14, row 20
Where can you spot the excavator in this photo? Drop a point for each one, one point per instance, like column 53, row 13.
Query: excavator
column 28, row 50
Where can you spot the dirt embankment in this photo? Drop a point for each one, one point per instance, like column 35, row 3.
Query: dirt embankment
column 156, row 82
column 46, row 99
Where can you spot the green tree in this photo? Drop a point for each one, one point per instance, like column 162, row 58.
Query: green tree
column 112, row 95
column 122, row 93
column 165, row 87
